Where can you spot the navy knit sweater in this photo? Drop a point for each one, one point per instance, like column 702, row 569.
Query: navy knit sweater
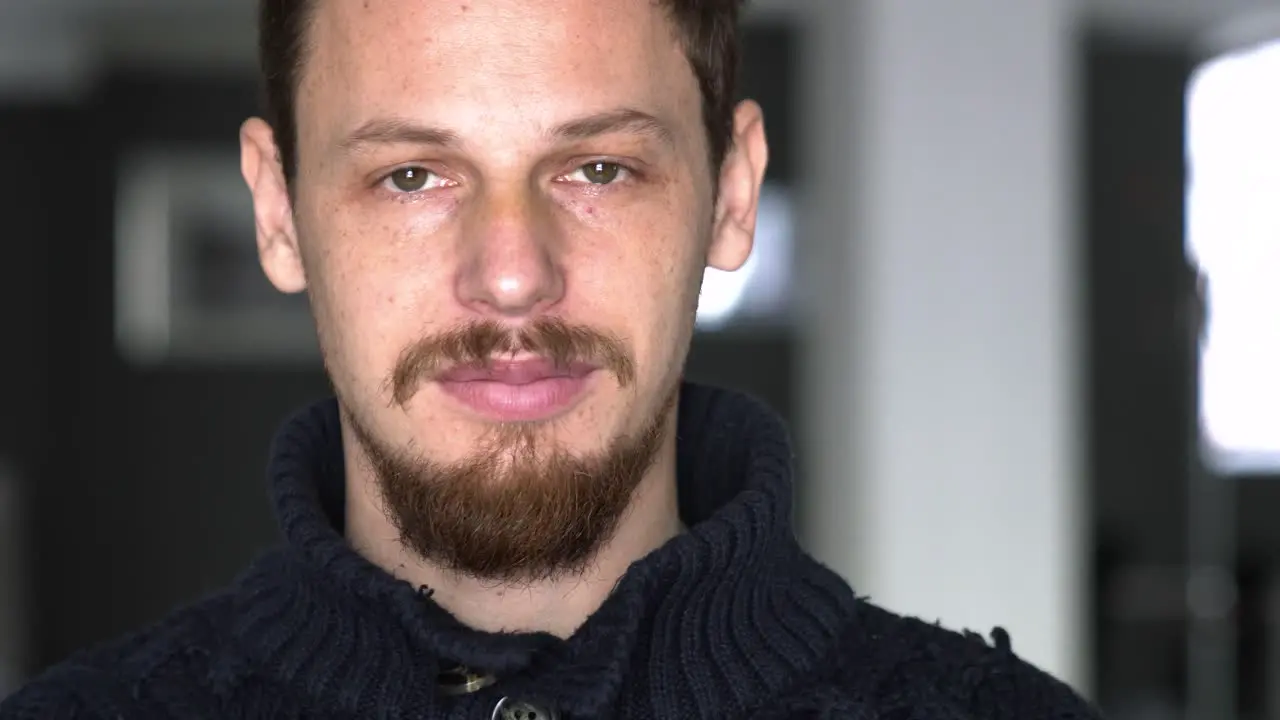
column 729, row 620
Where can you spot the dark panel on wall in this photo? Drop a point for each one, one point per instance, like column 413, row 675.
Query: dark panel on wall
column 770, row 69
column 1135, row 265
column 157, row 491
column 1138, row 367
column 38, row 194
column 50, row 162
column 757, row 364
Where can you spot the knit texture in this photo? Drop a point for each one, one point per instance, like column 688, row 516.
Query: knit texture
column 729, row 620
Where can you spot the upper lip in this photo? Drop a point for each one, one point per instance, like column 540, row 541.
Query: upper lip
column 515, row 371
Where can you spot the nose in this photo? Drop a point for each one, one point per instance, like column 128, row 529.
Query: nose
column 509, row 266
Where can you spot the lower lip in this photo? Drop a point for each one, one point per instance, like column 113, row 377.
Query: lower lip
column 505, row 402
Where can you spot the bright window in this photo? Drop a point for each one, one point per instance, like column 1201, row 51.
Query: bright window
column 1233, row 234
column 758, row 292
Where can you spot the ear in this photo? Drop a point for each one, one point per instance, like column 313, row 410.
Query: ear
column 741, row 176
column 272, row 207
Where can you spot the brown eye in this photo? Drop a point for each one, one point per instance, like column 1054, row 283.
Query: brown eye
column 410, row 179
column 601, row 173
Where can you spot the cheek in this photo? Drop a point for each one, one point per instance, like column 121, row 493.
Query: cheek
column 643, row 282
column 371, row 294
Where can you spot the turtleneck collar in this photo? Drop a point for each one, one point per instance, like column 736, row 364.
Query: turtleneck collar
column 720, row 618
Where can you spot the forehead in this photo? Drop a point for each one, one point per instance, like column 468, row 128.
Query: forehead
column 476, row 64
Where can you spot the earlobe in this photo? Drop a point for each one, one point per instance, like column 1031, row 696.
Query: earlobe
column 741, row 176
column 277, row 238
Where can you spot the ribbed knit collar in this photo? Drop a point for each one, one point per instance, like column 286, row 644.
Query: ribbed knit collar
column 722, row 617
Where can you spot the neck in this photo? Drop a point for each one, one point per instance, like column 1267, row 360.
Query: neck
column 558, row 605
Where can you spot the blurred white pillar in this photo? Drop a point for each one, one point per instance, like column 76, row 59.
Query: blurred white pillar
column 939, row 261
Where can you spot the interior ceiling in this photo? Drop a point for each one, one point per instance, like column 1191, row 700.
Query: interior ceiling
column 44, row 40
column 1157, row 15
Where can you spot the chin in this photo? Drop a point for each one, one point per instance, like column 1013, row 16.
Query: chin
column 457, row 435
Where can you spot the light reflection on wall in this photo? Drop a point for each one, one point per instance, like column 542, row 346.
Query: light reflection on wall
column 1233, row 233
column 757, row 293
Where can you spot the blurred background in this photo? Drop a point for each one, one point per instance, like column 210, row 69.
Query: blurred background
column 1014, row 290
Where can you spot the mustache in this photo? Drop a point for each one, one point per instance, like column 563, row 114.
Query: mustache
column 476, row 343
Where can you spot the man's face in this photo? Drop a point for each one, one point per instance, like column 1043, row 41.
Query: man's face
column 502, row 214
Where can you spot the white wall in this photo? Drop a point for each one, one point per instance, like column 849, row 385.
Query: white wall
column 57, row 40
column 941, row 382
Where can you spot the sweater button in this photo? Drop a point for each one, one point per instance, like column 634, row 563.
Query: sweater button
column 508, row 709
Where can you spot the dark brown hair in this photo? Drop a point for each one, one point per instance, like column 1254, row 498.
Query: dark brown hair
column 707, row 28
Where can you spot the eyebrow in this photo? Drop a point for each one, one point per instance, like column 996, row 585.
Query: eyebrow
column 623, row 120
column 399, row 131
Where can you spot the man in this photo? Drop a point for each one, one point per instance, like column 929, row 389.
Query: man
column 501, row 211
